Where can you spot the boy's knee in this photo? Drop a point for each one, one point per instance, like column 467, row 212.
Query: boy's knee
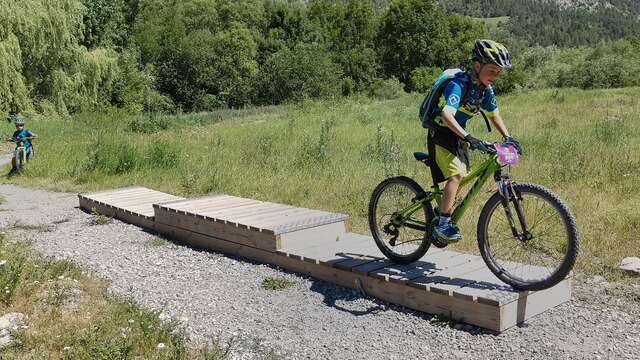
column 455, row 179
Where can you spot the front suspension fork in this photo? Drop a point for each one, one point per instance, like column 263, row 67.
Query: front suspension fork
column 508, row 194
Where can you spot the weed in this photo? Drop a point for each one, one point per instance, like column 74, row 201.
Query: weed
column 279, row 283
column 442, row 321
column 149, row 123
column 10, row 277
column 99, row 219
column 157, row 241
column 31, row 227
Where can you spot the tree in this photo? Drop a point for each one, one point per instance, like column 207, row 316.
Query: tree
column 306, row 71
column 413, row 33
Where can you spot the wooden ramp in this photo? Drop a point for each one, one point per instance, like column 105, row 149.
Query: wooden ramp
column 133, row 205
column 258, row 224
column 318, row 243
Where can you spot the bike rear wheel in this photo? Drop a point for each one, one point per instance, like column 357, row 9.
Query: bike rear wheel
column 398, row 242
column 528, row 262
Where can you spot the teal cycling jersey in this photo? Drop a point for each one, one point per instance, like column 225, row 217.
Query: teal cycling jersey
column 467, row 98
column 23, row 134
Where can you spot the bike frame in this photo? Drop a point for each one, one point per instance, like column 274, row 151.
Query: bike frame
column 481, row 173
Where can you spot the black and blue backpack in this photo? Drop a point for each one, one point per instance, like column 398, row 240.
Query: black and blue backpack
column 430, row 108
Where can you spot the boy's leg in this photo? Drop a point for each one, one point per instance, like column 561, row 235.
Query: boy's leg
column 453, row 170
column 449, row 194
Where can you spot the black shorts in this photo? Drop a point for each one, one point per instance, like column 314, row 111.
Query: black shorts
column 443, row 166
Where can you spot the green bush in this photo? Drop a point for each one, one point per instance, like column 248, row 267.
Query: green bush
column 306, row 71
column 162, row 154
column 148, row 123
column 113, row 157
column 386, row 89
column 423, row 77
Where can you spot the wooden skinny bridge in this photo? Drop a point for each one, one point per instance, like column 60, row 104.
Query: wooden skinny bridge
column 319, row 244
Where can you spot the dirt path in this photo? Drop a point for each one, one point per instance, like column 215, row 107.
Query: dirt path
column 213, row 295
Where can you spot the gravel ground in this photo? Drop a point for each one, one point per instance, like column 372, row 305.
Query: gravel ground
column 216, row 295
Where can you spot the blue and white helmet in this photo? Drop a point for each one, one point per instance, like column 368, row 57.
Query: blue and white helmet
column 18, row 120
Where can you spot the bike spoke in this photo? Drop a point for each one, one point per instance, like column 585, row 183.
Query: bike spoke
column 528, row 259
column 395, row 198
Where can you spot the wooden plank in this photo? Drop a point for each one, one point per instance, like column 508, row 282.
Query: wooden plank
column 297, row 225
column 454, row 277
column 149, row 199
column 186, row 204
column 530, row 304
column 256, row 220
column 287, row 218
column 89, row 205
column 428, row 265
column 368, row 267
column 317, row 244
column 263, row 240
column 454, row 267
column 195, row 205
column 122, row 189
column 302, row 215
column 338, row 253
column 119, row 196
column 260, row 208
column 479, row 314
column 324, row 273
column 112, row 191
column 330, row 233
column 223, row 206
column 486, row 287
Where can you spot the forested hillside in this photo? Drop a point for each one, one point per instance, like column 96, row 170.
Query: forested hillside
column 563, row 23
column 72, row 56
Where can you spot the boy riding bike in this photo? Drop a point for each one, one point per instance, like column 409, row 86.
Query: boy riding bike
column 21, row 135
column 465, row 95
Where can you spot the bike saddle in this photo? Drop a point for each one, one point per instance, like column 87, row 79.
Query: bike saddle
column 420, row 156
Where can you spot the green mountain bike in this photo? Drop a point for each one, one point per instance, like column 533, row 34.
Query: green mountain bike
column 20, row 153
column 526, row 234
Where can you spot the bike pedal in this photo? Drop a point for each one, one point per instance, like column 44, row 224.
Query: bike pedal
column 439, row 242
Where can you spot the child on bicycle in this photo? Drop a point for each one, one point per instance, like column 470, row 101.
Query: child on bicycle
column 464, row 97
column 24, row 136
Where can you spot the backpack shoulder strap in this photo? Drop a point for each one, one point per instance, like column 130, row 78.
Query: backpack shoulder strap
column 464, row 98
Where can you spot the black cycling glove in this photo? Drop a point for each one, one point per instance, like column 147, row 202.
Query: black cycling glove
column 476, row 144
column 512, row 141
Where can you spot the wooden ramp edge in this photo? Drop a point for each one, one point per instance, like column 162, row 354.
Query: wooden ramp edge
column 133, row 205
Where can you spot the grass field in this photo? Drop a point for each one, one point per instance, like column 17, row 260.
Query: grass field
column 331, row 154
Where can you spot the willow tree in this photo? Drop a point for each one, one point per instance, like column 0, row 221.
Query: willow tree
column 43, row 62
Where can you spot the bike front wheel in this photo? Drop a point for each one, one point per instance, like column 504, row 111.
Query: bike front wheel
column 20, row 159
column 398, row 238
column 530, row 241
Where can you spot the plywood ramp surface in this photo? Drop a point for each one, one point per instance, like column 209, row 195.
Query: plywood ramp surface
column 132, row 204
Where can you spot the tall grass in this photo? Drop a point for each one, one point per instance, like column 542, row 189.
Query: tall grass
column 331, row 154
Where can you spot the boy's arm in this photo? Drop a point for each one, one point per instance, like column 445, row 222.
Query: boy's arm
column 453, row 95
column 448, row 115
column 490, row 107
column 497, row 121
